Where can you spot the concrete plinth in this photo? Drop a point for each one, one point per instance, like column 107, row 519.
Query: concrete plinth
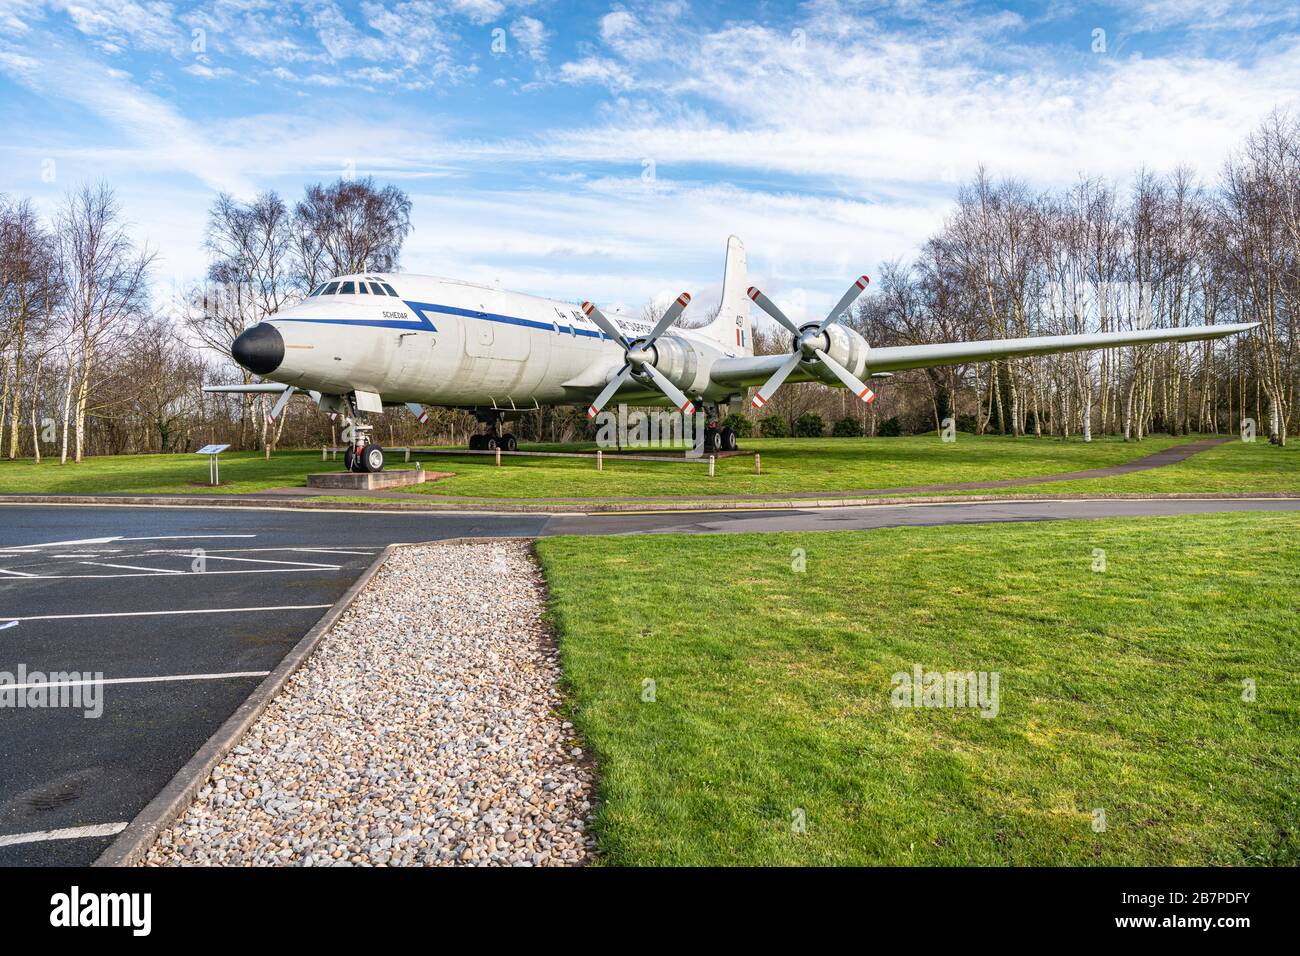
column 364, row 480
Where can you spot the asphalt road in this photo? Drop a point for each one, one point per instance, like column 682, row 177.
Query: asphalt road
column 62, row 568
column 115, row 590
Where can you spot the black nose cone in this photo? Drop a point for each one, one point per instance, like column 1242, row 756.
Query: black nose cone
column 259, row 349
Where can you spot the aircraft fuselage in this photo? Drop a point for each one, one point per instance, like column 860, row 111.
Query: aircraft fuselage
column 450, row 343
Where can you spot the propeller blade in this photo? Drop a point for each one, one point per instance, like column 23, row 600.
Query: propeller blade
column 608, row 392
column 609, row 328
column 846, row 300
column 853, row 383
column 770, row 307
column 677, row 396
column 669, row 317
column 772, row 384
column 283, row 401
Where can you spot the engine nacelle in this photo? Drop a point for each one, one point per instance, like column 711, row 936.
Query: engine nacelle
column 678, row 360
column 848, row 348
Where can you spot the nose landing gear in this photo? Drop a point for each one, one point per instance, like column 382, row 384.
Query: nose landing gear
column 361, row 455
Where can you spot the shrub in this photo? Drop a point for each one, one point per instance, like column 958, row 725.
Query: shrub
column 891, row 427
column 772, row 426
column 847, row 427
column 809, row 425
column 742, row 426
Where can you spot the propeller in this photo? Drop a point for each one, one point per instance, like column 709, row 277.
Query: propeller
column 639, row 357
column 281, row 402
column 810, row 344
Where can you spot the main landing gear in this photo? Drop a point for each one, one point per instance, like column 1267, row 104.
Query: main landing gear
column 492, row 438
column 717, row 439
column 490, row 442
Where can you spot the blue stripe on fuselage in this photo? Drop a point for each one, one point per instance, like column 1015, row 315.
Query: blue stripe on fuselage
column 423, row 323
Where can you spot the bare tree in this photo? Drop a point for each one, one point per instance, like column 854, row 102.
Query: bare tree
column 27, row 279
column 105, row 282
column 347, row 227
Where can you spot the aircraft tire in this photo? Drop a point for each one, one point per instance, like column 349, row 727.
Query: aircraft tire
column 728, row 440
column 491, row 442
column 476, row 442
column 509, row 442
column 372, row 458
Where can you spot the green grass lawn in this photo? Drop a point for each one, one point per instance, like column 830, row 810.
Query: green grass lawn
column 1119, row 691
column 241, row 471
column 1234, row 466
column 789, row 465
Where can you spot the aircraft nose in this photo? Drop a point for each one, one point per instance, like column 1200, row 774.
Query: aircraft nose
column 259, row 349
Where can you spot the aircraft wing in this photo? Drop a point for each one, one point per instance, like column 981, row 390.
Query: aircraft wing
column 755, row 370
column 257, row 388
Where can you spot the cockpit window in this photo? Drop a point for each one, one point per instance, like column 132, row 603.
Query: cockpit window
column 331, row 288
column 347, row 288
column 391, row 291
column 316, row 291
column 377, row 289
column 362, row 289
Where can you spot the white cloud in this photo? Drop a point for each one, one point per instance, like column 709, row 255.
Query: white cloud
column 599, row 70
column 861, row 108
column 531, row 35
column 164, row 139
column 825, row 155
column 479, row 11
column 119, row 24
column 205, row 72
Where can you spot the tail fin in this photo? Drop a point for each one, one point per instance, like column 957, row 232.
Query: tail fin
column 731, row 326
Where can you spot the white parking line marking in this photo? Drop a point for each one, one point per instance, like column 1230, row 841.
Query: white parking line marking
column 70, row 833
column 296, row 564
column 21, row 574
column 110, row 540
column 190, row 551
column 6, row 688
column 129, row 567
column 325, row 551
column 5, row 627
column 200, row 610
column 154, row 572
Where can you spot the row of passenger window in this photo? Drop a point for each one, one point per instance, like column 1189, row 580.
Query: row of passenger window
column 354, row 288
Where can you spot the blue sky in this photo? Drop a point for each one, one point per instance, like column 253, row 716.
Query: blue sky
column 606, row 150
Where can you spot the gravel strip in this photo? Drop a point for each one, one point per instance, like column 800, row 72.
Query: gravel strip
column 422, row 731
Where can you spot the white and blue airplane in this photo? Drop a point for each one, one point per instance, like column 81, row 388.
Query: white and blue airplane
column 360, row 343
